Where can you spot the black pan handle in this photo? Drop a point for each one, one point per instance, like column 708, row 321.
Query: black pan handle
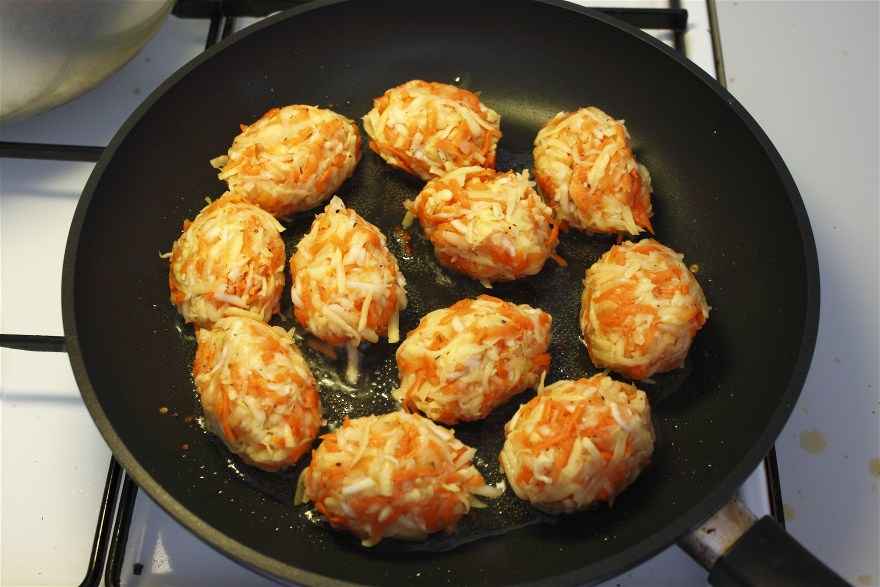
column 741, row 551
column 30, row 342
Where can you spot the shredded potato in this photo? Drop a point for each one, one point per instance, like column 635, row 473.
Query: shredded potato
column 230, row 256
column 291, row 159
column 462, row 362
column 347, row 287
column 257, row 392
column 578, row 442
column 492, row 226
column 429, row 128
column 586, row 170
column 640, row 309
column 393, row 476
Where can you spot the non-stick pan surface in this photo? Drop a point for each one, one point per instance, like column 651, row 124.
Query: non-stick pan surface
column 721, row 195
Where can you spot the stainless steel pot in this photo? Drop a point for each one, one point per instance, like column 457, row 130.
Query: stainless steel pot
column 51, row 51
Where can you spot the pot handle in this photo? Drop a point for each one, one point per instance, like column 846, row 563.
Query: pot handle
column 30, row 342
column 740, row 550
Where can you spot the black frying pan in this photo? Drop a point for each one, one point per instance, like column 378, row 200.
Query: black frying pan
column 722, row 196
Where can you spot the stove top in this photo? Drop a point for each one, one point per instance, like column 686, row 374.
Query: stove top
column 67, row 518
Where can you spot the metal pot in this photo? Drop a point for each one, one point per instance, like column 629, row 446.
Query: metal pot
column 54, row 50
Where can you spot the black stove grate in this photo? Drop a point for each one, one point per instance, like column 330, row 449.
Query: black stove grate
column 107, row 557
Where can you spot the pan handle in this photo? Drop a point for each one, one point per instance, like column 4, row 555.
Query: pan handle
column 30, row 342
column 740, row 550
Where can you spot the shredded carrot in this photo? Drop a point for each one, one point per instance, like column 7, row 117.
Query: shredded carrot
column 559, row 260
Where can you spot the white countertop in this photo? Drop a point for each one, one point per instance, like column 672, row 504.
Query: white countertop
column 808, row 72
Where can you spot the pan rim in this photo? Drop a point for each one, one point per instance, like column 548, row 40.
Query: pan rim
column 605, row 568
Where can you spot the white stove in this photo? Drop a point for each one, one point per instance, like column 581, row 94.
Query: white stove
column 54, row 463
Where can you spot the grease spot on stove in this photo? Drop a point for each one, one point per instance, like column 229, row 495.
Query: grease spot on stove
column 813, row 441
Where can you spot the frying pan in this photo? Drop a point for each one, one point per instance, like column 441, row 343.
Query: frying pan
column 722, row 196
